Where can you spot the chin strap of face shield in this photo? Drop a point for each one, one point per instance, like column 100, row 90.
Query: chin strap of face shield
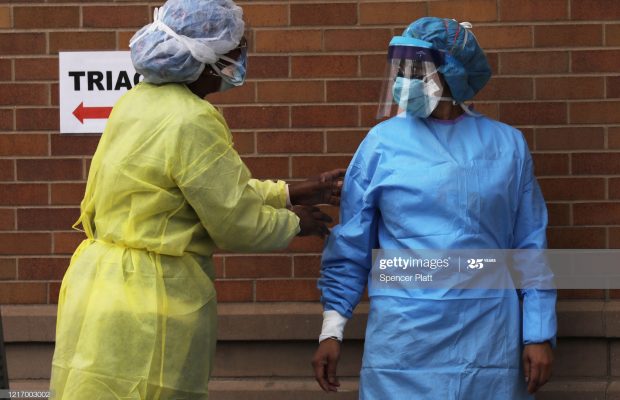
column 200, row 51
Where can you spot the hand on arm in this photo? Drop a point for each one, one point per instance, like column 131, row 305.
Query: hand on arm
column 323, row 189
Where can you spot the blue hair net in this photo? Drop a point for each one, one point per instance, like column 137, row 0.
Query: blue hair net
column 184, row 36
column 465, row 69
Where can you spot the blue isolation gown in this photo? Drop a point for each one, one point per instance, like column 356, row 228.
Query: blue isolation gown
column 419, row 183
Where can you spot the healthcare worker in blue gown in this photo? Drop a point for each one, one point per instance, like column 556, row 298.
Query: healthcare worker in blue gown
column 438, row 176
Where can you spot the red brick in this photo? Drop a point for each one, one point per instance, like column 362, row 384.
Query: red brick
column 570, row 88
column 74, row 145
column 528, row 63
column 234, row 291
column 42, row 268
column 546, row 164
column 6, row 70
column 218, row 265
column 576, row 238
column 267, row 167
column 257, row 117
column 590, row 61
column 507, row 89
column 612, row 35
column 53, row 291
column 38, row 219
column 6, row 120
column 613, row 138
column 265, row 67
column 373, row 66
column 595, row 9
column 67, row 193
column 37, row 119
column 354, row 91
column 46, row 17
column 344, row 141
column 559, row 214
column 533, row 10
column 239, row 95
column 124, row 38
column 20, row 94
column 491, row 110
column 87, row 41
column 391, row 13
column 595, row 112
column 290, row 92
column 613, row 86
column 21, row 194
column 23, row 145
column 67, row 242
column 323, row 14
column 528, row 134
column 614, row 238
column 23, row 293
column 368, row 116
column 357, row 39
column 582, row 294
column 307, row 266
column 258, row 266
column 305, row 166
column 614, row 188
column 596, row 163
column 324, row 116
column 49, row 169
column 115, row 16
column 504, row 37
column 471, row 10
column 573, row 188
column 288, row 41
column 5, row 17
column 596, row 213
column 290, row 142
column 287, row 290
column 7, row 170
column 568, row 35
column 306, row 244
column 17, row 243
column 22, row 43
column 7, row 219
column 323, row 66
column 570, row 138
column 40, row 69
column 257, row 15
column 243, row 142
column 533, row 113
column 8, row 269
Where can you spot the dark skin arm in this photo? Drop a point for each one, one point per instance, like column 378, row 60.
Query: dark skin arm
column 537, row 365
column 325, row 363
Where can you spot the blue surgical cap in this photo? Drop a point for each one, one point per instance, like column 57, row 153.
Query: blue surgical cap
column 465, row 68
column 184, row 36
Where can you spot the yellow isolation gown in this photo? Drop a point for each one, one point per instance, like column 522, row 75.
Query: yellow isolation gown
column 137, row 308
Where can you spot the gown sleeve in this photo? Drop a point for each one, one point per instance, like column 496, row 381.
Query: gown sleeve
column 347, row 257
column 238, row 214
column 272, row 192
column 539, row 317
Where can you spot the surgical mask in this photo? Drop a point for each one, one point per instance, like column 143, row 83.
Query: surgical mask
column 233, row 74
column 419, row 97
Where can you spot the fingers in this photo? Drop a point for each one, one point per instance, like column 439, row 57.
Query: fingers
column 332, row 378
column 333, row 174
column 534, row 378
column 319, row 373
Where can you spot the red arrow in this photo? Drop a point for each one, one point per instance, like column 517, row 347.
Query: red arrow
column 82, row 113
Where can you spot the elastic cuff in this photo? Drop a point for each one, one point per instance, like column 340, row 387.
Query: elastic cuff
column 333, row 325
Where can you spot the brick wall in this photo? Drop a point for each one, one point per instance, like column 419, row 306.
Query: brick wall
column 311, row 96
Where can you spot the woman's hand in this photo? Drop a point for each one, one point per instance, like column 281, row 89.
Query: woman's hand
column 325, row 362
column 323, row 189
column 537, row 363
column 312, row 221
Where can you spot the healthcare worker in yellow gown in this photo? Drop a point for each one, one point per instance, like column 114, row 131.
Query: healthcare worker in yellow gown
column 137, row 308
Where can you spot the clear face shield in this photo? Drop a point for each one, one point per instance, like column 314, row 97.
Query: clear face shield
column 232, row 66
column 412, row 84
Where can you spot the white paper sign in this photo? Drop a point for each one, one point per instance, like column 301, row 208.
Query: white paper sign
column 90, row 83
